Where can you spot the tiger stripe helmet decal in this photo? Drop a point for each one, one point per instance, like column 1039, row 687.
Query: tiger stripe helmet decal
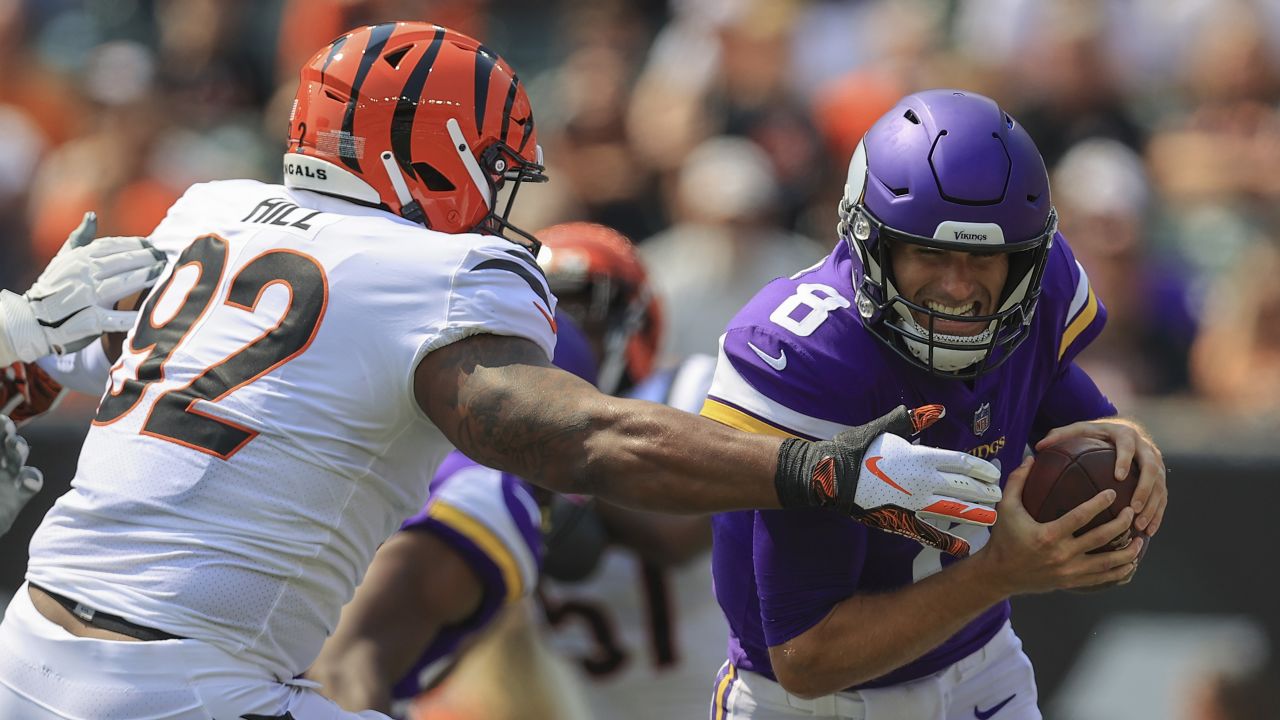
column 419, row 120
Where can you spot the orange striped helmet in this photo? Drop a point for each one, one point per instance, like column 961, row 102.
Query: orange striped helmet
column 601, row 283
column 416, row 119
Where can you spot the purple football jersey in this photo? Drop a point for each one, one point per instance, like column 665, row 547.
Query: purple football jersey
column 491, row 520
column 796, row 361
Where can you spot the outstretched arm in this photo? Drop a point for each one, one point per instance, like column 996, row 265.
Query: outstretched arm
column 502, row 403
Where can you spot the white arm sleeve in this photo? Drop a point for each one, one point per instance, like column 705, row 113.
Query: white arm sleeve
column 85, row 371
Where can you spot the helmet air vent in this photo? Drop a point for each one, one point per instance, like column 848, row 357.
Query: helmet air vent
column 911, row 117
column 394, row 57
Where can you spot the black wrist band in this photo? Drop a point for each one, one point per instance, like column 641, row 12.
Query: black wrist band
column 792, row 479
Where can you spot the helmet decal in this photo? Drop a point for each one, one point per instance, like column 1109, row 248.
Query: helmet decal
column 349, row 153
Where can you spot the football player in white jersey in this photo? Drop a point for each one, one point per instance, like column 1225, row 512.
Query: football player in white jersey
column 69, row 307
column 307, row 359
column 640, row 624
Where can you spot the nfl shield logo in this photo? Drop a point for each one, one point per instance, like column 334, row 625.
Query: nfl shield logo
column 982, row 419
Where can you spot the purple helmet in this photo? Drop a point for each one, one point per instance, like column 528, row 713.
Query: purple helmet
column 947, row 169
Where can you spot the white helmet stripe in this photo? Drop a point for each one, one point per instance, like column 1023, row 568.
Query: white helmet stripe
column 397, row 178
column 469, row 160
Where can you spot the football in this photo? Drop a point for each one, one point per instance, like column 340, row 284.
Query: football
column 1069, row 473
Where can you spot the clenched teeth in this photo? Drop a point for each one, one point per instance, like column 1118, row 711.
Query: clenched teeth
column 967, row 309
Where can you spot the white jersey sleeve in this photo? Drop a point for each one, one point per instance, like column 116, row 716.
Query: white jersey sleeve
column 501, row 291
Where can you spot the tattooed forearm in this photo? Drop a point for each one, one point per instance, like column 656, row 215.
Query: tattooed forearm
column 490, row 396
column 500, row 402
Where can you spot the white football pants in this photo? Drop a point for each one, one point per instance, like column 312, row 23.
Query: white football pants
column 46, row 673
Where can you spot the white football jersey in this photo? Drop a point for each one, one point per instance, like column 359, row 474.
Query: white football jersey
column 259, row 437
column 647, row 641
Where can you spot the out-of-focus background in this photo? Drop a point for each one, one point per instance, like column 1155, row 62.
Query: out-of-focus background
column 716, row 134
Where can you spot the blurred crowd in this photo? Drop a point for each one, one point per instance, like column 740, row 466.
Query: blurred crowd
column 716, row 134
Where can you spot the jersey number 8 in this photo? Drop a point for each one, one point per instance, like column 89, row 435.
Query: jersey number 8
column 818, row 299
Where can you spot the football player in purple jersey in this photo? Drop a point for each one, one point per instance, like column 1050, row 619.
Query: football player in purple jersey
column 950, row 285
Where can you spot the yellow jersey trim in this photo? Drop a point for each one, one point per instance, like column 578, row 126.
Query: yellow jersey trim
column 1078, row 325
column 486, row 540
column 735, row 418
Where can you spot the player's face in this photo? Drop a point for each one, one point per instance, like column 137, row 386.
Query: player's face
column 955, row 283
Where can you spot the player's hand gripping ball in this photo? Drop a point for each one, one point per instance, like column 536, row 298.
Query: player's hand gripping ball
column 1072, row 471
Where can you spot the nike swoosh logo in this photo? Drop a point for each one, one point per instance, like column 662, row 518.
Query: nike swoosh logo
column 873, row 464
column 59, row 323
column 984, row 714
column 777, row 363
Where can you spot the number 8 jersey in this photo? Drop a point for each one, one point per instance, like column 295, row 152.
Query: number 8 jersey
column 259, row 437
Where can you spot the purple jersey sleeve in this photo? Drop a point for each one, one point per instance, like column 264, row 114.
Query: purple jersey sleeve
column 1081, row 315
column 490, row 519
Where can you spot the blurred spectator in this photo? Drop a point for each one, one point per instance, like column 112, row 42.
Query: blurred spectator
column 1214, row 151
column 1103, row 198
column 602, row 177
column 683, row 98
column 725, row 245
column 1067, row 81
column 105, row 169
column 1228, row 140
column 308, row 24
column 36, row 89
column 1236, row 359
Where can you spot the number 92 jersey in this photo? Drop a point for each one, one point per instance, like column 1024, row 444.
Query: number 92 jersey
column 796, row 361
column 259, row 437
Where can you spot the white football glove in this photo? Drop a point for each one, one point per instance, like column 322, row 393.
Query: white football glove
column 880, row 479
column 904, row 486
column 71, row 304
column 19, row 482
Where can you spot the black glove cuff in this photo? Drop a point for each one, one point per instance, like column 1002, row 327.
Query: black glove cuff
column 793, row 479
column 833, row 463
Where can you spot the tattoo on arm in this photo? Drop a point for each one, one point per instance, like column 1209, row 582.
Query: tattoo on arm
column 491, row 397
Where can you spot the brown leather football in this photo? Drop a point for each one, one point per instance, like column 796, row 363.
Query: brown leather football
column 1069, row 473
